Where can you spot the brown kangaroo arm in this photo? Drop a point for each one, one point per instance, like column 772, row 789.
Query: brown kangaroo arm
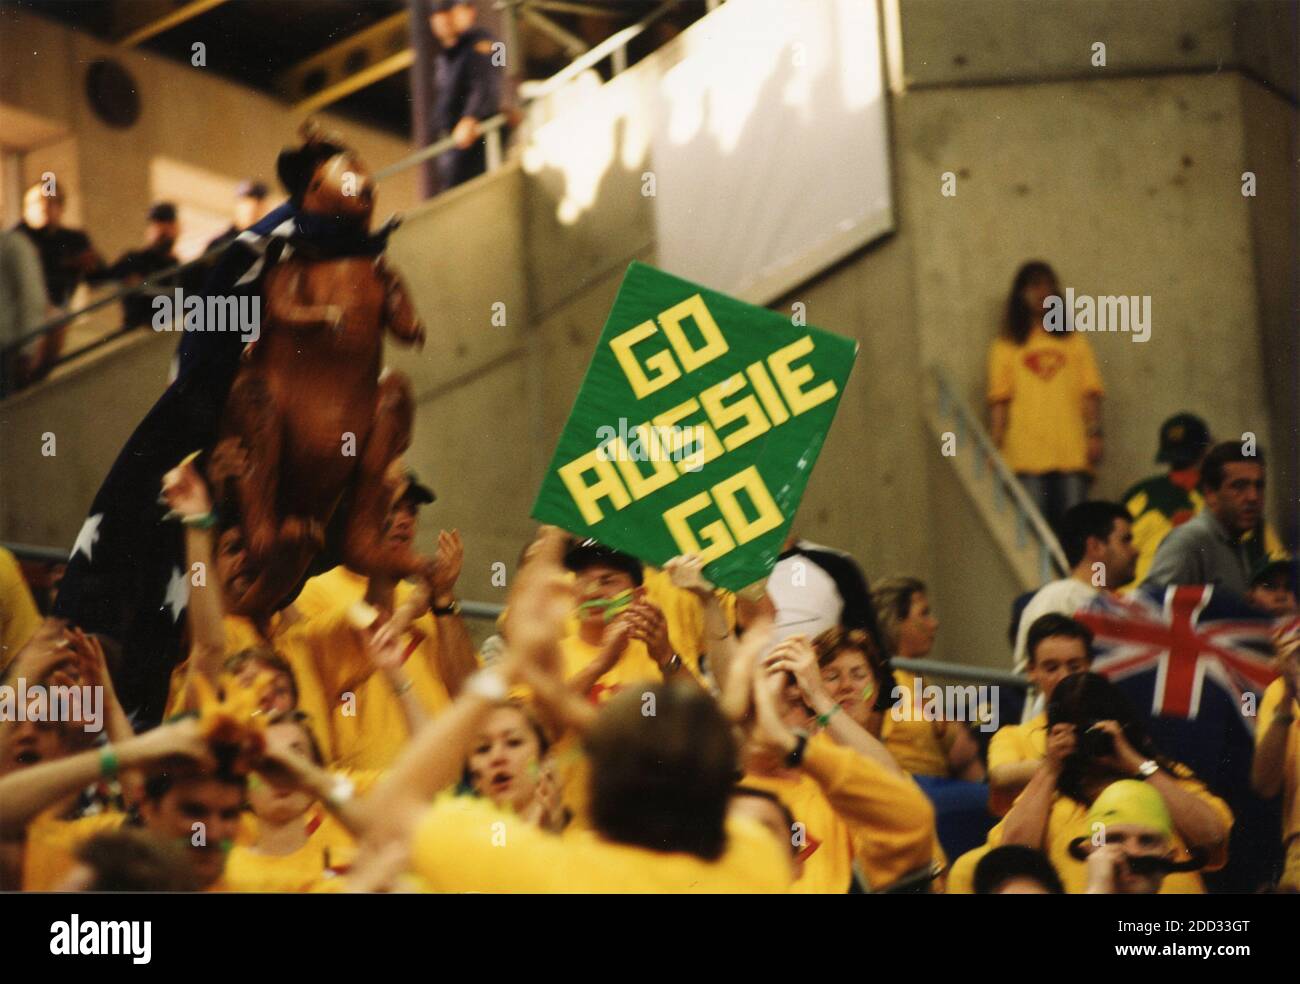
column 284, row 307
column 399, row 312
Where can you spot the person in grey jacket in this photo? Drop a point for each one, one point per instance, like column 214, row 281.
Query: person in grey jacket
column 1224, row 543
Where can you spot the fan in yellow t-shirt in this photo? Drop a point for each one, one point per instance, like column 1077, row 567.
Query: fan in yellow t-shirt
column 1056, row 646
column 1276, row 765
column 621, row 636
column 18, row 615
column 1044, row 394
column 1094, row 739
column 298, row 845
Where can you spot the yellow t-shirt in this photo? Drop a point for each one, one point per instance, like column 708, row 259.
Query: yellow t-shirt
column 1067, row 820
column 1014, row 743
column 1045, row 380
column 290, row 644
column 329, row 849
column 365, row 721
column 463, row 844
column 52, row 843
column 852, row 808
column 1268, row 708
column 19, row 618
column 914, row 743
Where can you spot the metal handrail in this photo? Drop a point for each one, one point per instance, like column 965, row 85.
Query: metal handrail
column 949, row 403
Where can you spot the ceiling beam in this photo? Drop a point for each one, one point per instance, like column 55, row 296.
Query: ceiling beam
column 378, row 51
column 139, row 21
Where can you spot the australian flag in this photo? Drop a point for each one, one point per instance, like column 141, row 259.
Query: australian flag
column 1197, row 660
column 126, row 576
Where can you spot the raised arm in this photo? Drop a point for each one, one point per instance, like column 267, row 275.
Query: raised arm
column 1267, row 768
column 1026, row 821
column 27, row 792
column 188, row 497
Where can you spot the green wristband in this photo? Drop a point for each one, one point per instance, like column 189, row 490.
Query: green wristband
column 204, row 522
column 108, row 762
column 825, row 719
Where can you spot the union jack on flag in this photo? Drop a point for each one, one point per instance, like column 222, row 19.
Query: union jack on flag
column 1188, row 637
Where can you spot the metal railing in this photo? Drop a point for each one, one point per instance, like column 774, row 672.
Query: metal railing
column 489, row 611
column 1006, row 487
column 613, row 47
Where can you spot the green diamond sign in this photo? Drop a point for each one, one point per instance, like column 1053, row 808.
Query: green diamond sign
column 695, row 429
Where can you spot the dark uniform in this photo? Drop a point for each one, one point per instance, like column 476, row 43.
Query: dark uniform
column 66, row 257
column 137, row 309
column 467, row 84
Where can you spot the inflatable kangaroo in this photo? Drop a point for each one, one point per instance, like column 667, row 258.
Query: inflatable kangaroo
column 310, row 419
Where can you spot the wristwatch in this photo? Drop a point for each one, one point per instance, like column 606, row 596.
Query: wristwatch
column 1147, row 769
column 452, row 609
column 795, row 758
column 672, row 665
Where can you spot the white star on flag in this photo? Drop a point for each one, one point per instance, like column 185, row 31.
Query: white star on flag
column 87, row 537
column 178, row 594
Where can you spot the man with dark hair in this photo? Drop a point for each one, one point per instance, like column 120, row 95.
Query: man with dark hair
column 1056, row 646
column 1224, row 544
column 622, row 636
column 138, row 265
column 1162, row 502
column 1016, row 870
column 1097, row 538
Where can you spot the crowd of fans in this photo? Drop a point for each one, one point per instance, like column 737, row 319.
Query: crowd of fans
column 632, row 728
column 628, row 728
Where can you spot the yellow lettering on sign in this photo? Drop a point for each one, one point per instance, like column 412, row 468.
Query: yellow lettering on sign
column 709, row 447
column 746, row 409
column 714, row 342
column 662, row 471
column 793, row 380
column 715, row 533
column 607, row 485
column 776, row 411
column 662, row 363
column 751, row 482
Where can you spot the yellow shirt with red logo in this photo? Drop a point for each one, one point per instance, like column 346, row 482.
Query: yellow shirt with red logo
column 1045, row 381
column 848, row 807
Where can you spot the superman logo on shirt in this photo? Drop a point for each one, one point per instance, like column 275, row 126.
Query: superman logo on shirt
column 1045, row 363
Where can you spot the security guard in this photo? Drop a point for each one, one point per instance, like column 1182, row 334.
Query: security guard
column 468, row 88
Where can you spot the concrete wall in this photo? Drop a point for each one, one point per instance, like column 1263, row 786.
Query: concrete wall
column 1127, row 179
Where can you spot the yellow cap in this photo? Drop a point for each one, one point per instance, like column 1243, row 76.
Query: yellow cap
column 1130, row 801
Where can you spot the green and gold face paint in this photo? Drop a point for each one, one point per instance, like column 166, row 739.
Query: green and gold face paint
column 610, row 606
